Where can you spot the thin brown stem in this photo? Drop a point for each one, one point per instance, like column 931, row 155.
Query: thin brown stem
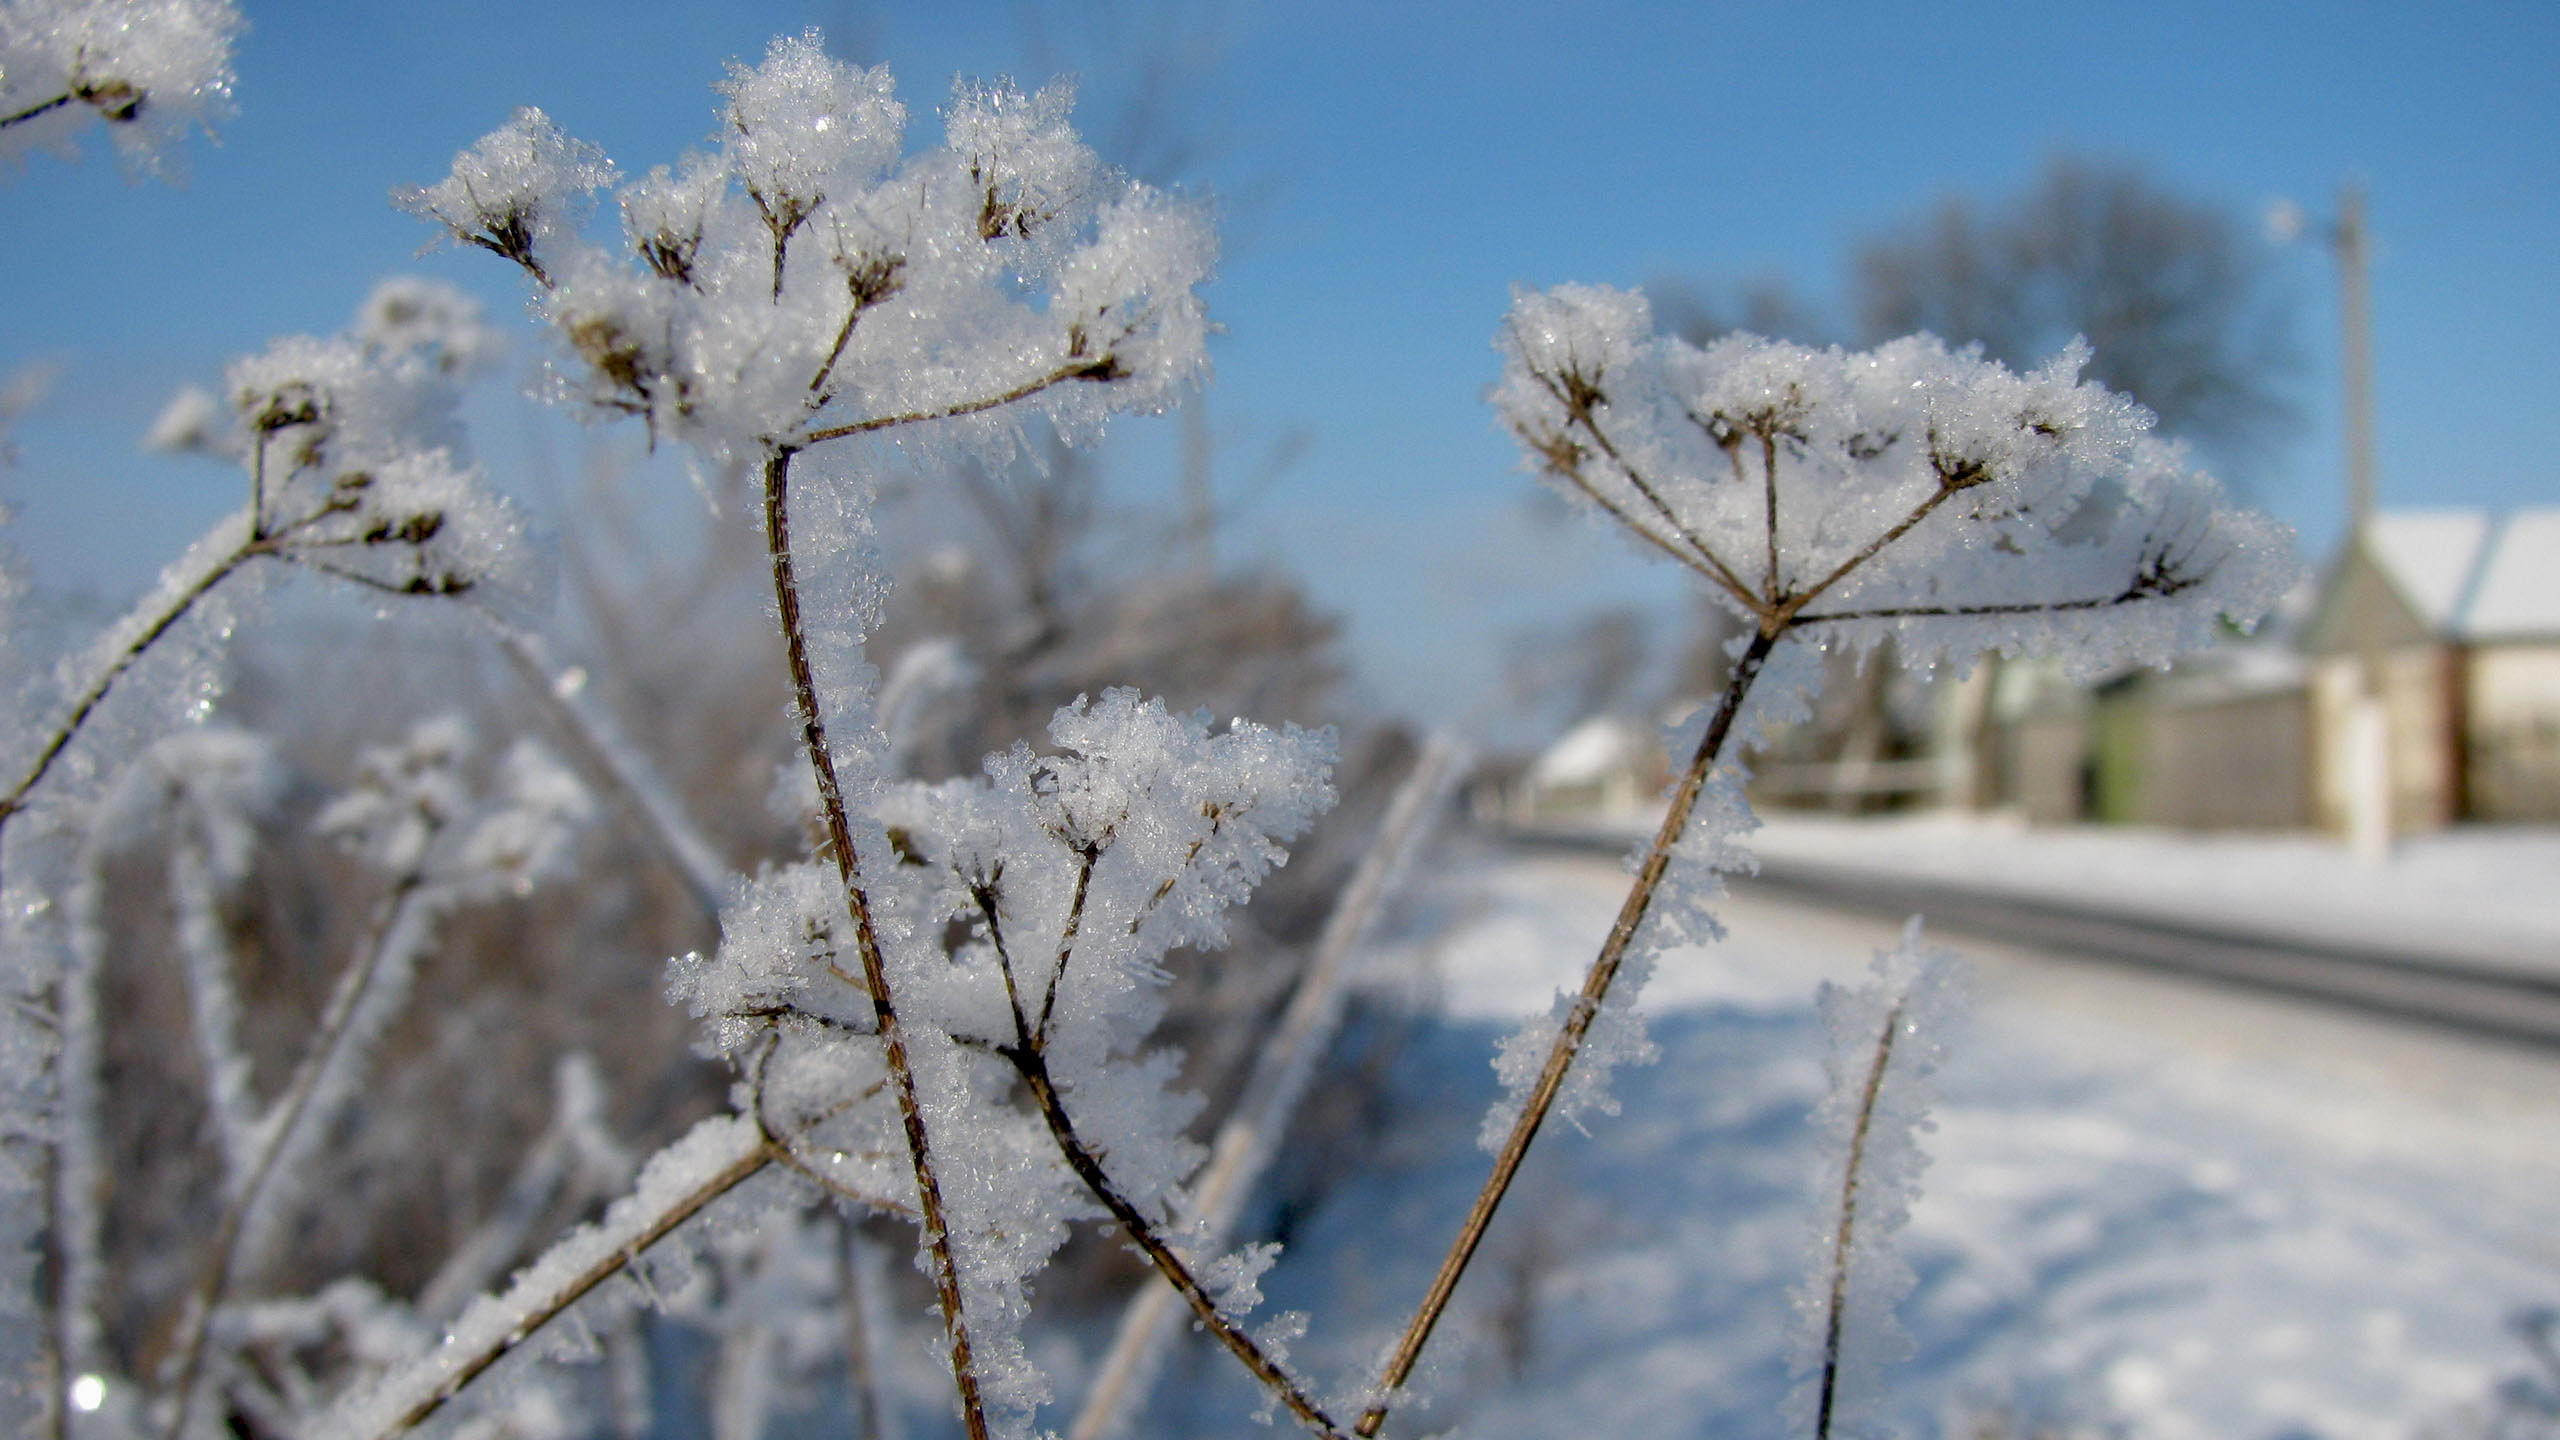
column 1902, row 527
column 1568, row 1042
column 875, row 971
column 1103, row 369
column 2023, row 607
column 985, row 898
column 1150, row 1243
column 818, row 394
column 41, row 107
column 258, row 487
column 1164, row 887
column 1652, row 537
column 1590, row 422
column 292, row 1108
column 1087, row 857
column 1845, row 1234
column 1769, row 501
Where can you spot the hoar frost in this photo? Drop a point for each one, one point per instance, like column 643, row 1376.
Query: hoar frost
column 802, row 282
column 1912, row 490
column 148, row 69
column 1831, row 498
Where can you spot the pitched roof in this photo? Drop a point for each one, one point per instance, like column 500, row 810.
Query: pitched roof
column 1593, row 750
column 2517, row 591
column 2472, row 576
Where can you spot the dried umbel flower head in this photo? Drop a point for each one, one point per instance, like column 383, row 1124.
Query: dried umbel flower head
column 809, row 279
column 1911, row 490
column 148, row 69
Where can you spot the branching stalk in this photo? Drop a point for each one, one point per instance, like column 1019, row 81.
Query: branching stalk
column 1279, row 1078
column 875, row 971
column 1103, row 369
column 1568, row 1042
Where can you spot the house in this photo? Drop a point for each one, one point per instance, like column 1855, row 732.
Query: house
column 2451, row 619
column 2220, row 741
column 1607, row 763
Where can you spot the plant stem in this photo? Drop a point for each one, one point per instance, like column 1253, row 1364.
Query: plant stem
column 1568, row 1042
column 875, row 970
column 1143, row 1234
column 1270, row 1095
column 644, row 793
column 1845, row 1235
column 1081, row 370
column 39, row 108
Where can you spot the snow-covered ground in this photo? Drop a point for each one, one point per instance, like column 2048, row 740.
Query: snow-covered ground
column 2156, row 1209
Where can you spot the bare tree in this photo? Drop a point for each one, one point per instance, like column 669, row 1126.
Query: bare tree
column 2170, row 292
column 2177, row 302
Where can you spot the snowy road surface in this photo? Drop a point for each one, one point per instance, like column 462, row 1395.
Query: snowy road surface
column 2184, row 1210
column 2463, row 984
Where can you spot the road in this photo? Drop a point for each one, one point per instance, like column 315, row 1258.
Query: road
column 2463, row 997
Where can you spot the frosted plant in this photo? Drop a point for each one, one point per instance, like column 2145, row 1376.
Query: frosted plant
column 804, row 283
column 149, row 70
column 210, row 788
column 1830, row 499
column 1072, row 876
column 438, row 842
column 349, row 448
column 1887, row 1037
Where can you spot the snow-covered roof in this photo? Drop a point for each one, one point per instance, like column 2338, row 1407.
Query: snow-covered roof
column 1593, row 750
column 2471, row 576
column 2429, row 556
column 2517, row 592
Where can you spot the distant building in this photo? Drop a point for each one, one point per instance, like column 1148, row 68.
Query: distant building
column 2458, row 614
column 1607, row 763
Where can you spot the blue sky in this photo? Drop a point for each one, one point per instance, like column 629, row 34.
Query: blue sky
column 1389, row 172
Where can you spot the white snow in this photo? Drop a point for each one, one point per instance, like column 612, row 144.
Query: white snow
column 2152, row 1209
column 2517, row 592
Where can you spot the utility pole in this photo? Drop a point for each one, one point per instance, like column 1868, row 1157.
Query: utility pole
column 2368, row 722
column 2362, row 747
column 2355, row 320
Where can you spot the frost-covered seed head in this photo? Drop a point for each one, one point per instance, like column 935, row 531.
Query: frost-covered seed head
column 800, row 122
column 149, row 69
column 517, row 191
column 1910, row 490
column 802, row 282
column 408, row 315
